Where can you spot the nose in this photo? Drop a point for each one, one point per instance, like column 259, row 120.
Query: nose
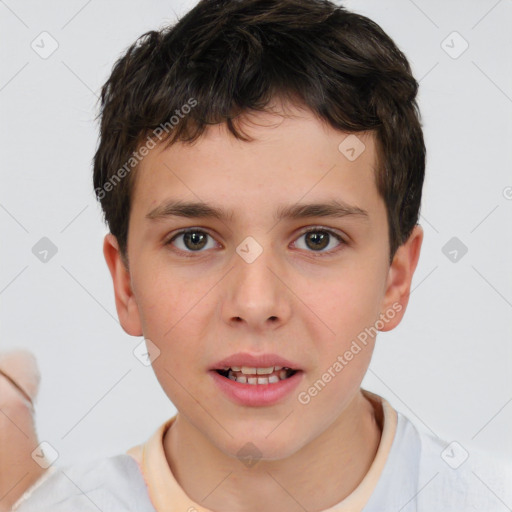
column 256, row 295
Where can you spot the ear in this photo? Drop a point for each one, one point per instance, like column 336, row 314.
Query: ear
column 126, row 306
column 399, row 279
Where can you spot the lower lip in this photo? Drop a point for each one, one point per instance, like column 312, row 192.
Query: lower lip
column 257, row 394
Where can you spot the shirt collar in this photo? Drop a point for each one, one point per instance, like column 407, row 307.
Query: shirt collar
column 167, row 495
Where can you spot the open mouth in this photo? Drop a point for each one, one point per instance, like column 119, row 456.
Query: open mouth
column 253, row 376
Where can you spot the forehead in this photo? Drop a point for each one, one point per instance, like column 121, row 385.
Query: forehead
column 293, row 156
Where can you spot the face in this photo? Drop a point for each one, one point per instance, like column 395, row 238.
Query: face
column 262, row 277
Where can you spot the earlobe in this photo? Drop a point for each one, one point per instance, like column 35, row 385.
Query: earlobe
column 401, row 271
column 127, row 309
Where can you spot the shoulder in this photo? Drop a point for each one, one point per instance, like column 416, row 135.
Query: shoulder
column 113, row 483
column 451, row 476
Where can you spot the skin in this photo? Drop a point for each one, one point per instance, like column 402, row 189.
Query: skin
column 292, row 300
column 200, row 309
column 18, row 437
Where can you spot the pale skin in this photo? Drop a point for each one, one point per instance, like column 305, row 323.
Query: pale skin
column 205, row 307
column 18, row 437
column 291, row 301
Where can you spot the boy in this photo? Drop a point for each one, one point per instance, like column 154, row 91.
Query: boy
column 260, row 168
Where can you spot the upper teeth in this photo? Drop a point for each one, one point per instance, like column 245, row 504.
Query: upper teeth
column 249, row 370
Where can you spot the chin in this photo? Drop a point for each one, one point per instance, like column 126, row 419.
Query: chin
column 251, row 449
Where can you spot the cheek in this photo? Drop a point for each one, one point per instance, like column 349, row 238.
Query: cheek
column 172, row 307
column 165, row 297
column 350, row 303
column 329, row 391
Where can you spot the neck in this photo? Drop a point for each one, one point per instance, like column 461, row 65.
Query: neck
column 316, row 477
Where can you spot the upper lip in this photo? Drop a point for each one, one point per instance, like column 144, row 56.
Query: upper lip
column 254, row 361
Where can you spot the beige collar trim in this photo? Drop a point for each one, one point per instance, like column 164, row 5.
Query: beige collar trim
column 167, row 495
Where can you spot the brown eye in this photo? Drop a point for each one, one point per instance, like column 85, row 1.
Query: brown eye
column 317, row 240
column 193, row 240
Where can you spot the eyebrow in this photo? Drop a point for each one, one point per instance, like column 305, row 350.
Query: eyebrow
column 334, row 208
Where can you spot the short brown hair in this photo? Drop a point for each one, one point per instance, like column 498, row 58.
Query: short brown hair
column 235, row 56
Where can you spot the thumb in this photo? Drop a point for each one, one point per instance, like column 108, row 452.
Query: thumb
column 20, row 368
column 19, row 385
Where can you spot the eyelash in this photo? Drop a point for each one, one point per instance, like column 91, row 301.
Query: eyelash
column 314, row 229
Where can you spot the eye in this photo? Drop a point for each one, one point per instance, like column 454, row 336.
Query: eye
column 319, row 238
column 192, row 240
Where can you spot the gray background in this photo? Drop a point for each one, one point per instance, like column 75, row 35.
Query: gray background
column 448, row 366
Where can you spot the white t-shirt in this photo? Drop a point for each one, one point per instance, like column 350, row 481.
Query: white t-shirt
column 412, row 472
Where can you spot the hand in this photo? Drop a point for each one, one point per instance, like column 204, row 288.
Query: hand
column 19, row 383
